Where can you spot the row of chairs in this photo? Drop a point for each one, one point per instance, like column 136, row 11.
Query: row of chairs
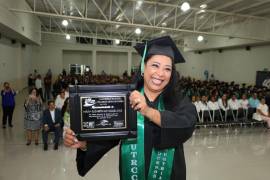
column 226, row 118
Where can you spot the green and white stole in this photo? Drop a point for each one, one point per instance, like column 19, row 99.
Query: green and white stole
column 132, row 155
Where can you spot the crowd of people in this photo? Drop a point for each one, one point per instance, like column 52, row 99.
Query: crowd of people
column 55, row 117
column 217, row 101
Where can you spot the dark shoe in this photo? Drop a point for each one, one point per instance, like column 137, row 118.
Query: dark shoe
column 36, row 143
column 4, row 126
column 11, row 125
column 55, row 147
column 45, row 147
column 28, row 143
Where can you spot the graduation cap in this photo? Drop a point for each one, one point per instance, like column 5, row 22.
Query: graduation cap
column 159, row 46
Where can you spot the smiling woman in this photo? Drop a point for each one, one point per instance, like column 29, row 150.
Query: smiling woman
column 165, row 120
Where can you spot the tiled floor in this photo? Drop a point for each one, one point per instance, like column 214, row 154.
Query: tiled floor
column 212, row 154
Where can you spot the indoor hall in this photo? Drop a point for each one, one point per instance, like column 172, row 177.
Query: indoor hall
column 225, row 46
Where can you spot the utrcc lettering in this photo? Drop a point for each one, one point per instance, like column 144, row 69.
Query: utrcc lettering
column 134, row 162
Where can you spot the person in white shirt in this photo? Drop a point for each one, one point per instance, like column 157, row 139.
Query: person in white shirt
column 234, row 103
column 66, row 92
column 196, row 101
column 214, row 108
column 204, row 113
column 38, row 84
column 223, row 103
column 244, row 105
column 60, row 99
column 262, row 113
column 244, row 102
column 234, row 106
column 224, row 107
column 213, row 104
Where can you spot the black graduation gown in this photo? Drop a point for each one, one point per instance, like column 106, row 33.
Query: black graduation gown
column 177, row 126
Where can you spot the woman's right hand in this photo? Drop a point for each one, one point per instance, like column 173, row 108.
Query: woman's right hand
column 71, row 141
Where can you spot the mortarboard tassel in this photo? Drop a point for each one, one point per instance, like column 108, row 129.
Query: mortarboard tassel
column 142, row 61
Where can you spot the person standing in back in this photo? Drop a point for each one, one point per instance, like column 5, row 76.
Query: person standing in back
column 8, row 104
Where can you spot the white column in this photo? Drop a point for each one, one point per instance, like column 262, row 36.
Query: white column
column 129, row 62
column 94, row 60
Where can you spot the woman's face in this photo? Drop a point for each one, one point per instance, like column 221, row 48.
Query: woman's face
column 34, row 92
column 157, row 73
column 62, row 94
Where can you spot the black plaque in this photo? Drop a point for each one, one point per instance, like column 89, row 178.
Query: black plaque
column 102, row 112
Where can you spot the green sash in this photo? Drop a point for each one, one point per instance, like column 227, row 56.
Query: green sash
column 132, row 156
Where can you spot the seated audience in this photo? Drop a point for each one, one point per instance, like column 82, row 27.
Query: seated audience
column 52, row 120
column 214, row 108
column 262, row 113
column 204, row 113
column 244, row 106
column 234, row 106
column 60, row 99
column 254, row 101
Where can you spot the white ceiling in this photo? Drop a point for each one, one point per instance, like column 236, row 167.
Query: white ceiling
column 117, row 19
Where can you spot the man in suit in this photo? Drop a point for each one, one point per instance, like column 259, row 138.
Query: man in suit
column 52, row 120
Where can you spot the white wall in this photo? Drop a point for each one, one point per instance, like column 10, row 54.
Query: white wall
column 21, row 26
column 114, row 60
column 136, row 59
column 77, row 57
column 236, row 65
column 14, row 63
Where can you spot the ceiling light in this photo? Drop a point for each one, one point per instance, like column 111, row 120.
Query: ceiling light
column 117, row 41
column 201, row 11
column 138, row 5
column 163, row 31
column 139, row 2
column 164, row 24
column 67, row 36
column 64, row 22
column 200, row 38
column 138, row 31
column 117, row 26
column 203, row 6
column 185, row 6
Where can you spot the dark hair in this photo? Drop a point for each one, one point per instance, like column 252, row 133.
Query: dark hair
column 171, row 89
column 64, row 108
column 30, row 91
column 49, row 102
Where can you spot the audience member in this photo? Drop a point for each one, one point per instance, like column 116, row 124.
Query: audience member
column 33, row 116
column 8, row 104
column 48, row 87
column 262, row 113
column 60, row 99
column 52, row 121
column 38, row 84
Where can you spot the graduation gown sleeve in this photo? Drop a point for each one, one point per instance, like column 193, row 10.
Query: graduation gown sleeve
column 177, row 125
column 95, row 151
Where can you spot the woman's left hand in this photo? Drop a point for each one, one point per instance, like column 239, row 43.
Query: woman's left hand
column 138, row 102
